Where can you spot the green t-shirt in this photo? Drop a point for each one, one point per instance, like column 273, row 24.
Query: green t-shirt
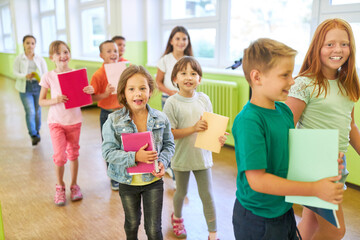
column 261, row 142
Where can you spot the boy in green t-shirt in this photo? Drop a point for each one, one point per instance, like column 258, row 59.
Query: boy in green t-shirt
column 261, row 132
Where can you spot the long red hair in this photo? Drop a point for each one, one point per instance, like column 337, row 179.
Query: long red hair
column 311, row 67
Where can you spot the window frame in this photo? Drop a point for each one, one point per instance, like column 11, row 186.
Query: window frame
column 3, row 35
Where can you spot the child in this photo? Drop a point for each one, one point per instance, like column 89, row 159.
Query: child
column 323, row 97
column 134, row 90
column 25, row 65
column 64, row 124
column 103, row 89
column 184, row 110
column 120, row 41
column 178, row 45
column 261, row 133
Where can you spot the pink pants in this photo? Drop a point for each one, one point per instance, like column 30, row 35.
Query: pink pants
column 65, row 141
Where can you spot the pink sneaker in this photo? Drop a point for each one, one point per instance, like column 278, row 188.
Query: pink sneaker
column 76, row 193
column 178, row 227
column 60, row 197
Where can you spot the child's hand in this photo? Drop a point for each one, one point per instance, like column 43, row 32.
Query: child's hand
column 161, row 170
column 89, row 89
column 201, row 125
column 29, row 76
column 222, row 139
column 328, row 190
column 109, row 89
column 145, row 156
column 340, row 162
column 61, row 99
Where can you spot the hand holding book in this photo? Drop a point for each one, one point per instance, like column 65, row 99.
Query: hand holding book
column 145, row 156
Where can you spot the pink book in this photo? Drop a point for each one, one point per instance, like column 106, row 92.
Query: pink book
column 72, row 84
column 132, row 142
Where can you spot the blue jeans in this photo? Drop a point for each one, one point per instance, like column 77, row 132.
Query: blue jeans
column 248, row 226
column 30, row 101
column 152, row 197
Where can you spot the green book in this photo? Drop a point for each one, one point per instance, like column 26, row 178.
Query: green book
column 313, row 155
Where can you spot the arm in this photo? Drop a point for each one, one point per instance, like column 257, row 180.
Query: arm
column 325, row 189
column 160, row 83
column 199, row 126
column 17, row 69
column 354, row 134
column 43, row 101
column 97, row 97
column 297, row 107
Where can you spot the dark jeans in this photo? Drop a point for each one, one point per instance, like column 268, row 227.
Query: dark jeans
column 152, row 197
column 248, row 226
column 30, row 101
column 103, row 117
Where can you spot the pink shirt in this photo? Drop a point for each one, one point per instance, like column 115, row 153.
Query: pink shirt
column 58, row 113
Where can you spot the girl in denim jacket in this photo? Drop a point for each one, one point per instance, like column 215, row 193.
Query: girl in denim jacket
column 134, row 90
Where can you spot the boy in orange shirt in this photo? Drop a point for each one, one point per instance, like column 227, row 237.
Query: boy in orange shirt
column 107, row 102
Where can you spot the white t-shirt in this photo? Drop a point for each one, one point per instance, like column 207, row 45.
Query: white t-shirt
column 182, row 113
column 166, row 65
column 330, row 112
column 58, row 113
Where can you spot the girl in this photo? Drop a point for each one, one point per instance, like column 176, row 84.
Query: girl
column 184, row 110
column 178, row 45
column 134, row 90
column 323, row 97
column 64, row 124
column 28, row 67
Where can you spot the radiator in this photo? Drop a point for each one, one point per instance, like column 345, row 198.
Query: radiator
column 223, row 96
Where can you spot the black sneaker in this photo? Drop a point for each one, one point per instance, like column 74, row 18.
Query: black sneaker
column 114, row 185
column 35, row 140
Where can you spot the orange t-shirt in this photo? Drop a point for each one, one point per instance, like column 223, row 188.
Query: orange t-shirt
column 99, row 82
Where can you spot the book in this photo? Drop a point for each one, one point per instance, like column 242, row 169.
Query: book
column 113, row 72
column 132, row 142
column 36, row 76
column 313, row 155
column 209, row 139
column 72, row 84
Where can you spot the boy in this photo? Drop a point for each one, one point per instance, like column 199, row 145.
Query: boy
column 102, row 89
column 261, row 147
column 121, row 44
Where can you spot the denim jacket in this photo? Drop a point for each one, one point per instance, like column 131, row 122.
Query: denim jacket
column 113, row 150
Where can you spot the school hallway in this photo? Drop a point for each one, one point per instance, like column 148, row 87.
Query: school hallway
column 27, row 186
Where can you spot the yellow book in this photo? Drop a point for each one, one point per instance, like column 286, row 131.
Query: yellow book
column 36, row 76
column 209, row 139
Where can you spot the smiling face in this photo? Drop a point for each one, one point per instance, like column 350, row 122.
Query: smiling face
column 334, row 52
column 274, row 85
column 29, row 45
column 61, row 57
column 109, row 52
column 187, row 81
column 179, row 42
column 137, row 92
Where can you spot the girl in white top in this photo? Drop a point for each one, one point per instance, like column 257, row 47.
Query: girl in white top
column 64, row 124
column 178, row 45
column 184, row 110
column 28, row 68
column 323, row 96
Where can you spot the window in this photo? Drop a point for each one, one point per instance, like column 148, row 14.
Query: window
column 6, row 37
column 284, row 21
column 93, row 26
column 52, row 22
column 220, row 30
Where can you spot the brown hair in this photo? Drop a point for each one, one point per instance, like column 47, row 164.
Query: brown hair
column 128, row 73
column 55, row 46
column 105, row 42
column 118, row 37
column 28, row 36
column 169, row 48
column 182, row 64
column 311, row 67
column 263, row 54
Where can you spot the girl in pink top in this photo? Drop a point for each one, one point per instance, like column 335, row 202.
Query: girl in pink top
column 64, row 124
